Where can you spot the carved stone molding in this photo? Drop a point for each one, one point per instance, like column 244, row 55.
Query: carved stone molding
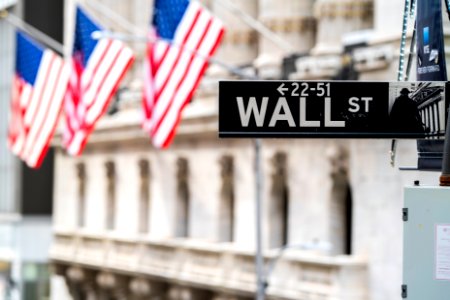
column 289, row 25
column 185, row 293
column 106, row 280
column 238, row 37
column 146, row 289
column 315, row 67
column 75, row 274
column 140, row 287
column 344, row 9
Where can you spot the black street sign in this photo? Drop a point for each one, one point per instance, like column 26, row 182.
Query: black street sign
column 332, row 109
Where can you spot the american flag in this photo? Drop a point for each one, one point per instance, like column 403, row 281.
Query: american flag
column 97, row 67
column 184, row 36
column 39, row 86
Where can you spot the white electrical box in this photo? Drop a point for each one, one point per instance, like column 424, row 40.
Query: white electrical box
column 426, row 243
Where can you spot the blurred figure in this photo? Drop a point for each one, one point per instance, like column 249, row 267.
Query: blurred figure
column 405, row 116
column 347, row 70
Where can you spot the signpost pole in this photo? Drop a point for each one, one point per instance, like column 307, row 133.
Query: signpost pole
column 259, row 260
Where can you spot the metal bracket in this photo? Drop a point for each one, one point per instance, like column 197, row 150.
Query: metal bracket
column 404, row 291
column 405, row 214
column 393, row 152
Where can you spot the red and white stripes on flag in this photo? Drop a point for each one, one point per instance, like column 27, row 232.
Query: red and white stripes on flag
column 91, row 90
column 35, row 109
column 173, row 70
column 97, row 67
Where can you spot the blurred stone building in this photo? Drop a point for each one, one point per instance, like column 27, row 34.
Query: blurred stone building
column 133, row 222
column 25, row 194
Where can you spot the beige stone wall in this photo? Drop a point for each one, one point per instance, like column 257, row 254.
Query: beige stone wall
column 315, row 26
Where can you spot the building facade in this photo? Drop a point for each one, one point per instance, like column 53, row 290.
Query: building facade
column 133, row 222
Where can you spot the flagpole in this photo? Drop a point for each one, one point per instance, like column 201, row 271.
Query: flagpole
column 257, row 25
column 246, row 18
column 115, row 17
column 33, row 31
column 144, row 39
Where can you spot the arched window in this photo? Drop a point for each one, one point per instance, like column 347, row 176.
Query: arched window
column 279, row 202
column 183, row 197
column 226, row 206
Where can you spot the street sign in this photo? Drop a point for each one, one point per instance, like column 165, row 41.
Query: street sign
column 332, row 109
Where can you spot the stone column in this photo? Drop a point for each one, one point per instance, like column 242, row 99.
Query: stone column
column 239, row 42
column 388, row 17
column 338, row 17
column 293, row 21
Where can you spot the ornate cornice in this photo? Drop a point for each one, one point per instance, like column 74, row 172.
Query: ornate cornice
column 289, row 25
column 344, row 9
column 236, row 37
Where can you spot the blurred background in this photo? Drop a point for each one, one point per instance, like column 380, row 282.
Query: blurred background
column 127, row 221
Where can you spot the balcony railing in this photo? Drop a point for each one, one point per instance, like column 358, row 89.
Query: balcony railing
column 297, row 274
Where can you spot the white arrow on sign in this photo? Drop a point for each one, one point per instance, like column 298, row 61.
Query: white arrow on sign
column 282, row 89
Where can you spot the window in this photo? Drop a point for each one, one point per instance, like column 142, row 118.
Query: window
column 341, row 208
column 279, row 203
column 110, row 194
column 144, row 195
column 226, row 206
column 81, row 175
column 183, row 195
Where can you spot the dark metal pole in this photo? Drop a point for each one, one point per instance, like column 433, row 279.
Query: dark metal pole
column 411, row 50
column 444, row 180
column 35, row 33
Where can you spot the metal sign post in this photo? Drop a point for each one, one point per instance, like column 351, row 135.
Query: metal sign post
column 259, row 259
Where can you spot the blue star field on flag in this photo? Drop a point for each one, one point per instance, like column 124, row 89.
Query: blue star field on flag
column 84, row 44
column 29, row 56
column 167, row 16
